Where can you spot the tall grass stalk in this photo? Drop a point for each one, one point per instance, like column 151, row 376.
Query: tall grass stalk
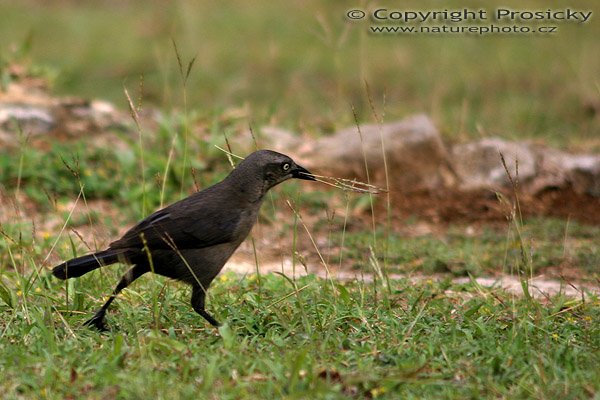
column 22, row 143
column 184, row 75
column 272, row 202
column 343, row 238
column 525, row 272
column 372, row 259
column 328, row 275
column 134, row 112
column 379, row 118
column 166, row 170
column 366, row 162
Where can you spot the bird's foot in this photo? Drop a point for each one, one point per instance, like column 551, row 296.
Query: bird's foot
column 209, row 318
column 97, row 322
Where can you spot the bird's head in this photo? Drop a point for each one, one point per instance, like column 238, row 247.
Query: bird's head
column 271, row 168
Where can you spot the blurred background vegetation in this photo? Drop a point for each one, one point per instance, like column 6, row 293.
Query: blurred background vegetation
column 303, row 65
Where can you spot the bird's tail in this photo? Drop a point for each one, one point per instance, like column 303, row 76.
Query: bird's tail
column 84, row 264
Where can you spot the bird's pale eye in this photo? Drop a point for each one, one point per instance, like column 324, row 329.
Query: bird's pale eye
column 285, row 166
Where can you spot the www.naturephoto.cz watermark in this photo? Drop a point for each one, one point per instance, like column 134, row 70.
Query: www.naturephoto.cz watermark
column 468, row 21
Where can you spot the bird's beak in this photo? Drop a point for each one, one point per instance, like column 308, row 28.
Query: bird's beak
column 302, row 173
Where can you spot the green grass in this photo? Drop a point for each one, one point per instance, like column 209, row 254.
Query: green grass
column 297, row 339
column 56, row 173
column 490, row 250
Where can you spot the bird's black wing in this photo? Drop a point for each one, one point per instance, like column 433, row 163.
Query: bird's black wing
column 183, row 228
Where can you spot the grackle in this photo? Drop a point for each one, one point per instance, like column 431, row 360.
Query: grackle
column 192, row 239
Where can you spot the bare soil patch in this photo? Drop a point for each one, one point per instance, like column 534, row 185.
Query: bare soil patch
column 449, row 206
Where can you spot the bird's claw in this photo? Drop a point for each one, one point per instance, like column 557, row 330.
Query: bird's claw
column 97, row 322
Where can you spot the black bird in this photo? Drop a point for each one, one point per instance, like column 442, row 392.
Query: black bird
column 192, row 239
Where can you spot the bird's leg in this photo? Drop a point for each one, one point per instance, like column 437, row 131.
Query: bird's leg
column 198, row 296
column 97, row 321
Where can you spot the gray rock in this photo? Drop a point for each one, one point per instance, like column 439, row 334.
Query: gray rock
column 412, row 148
column 561, row 170
column 29, row 119
column 479, row 166
column 33, row 113
column 414, row 152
